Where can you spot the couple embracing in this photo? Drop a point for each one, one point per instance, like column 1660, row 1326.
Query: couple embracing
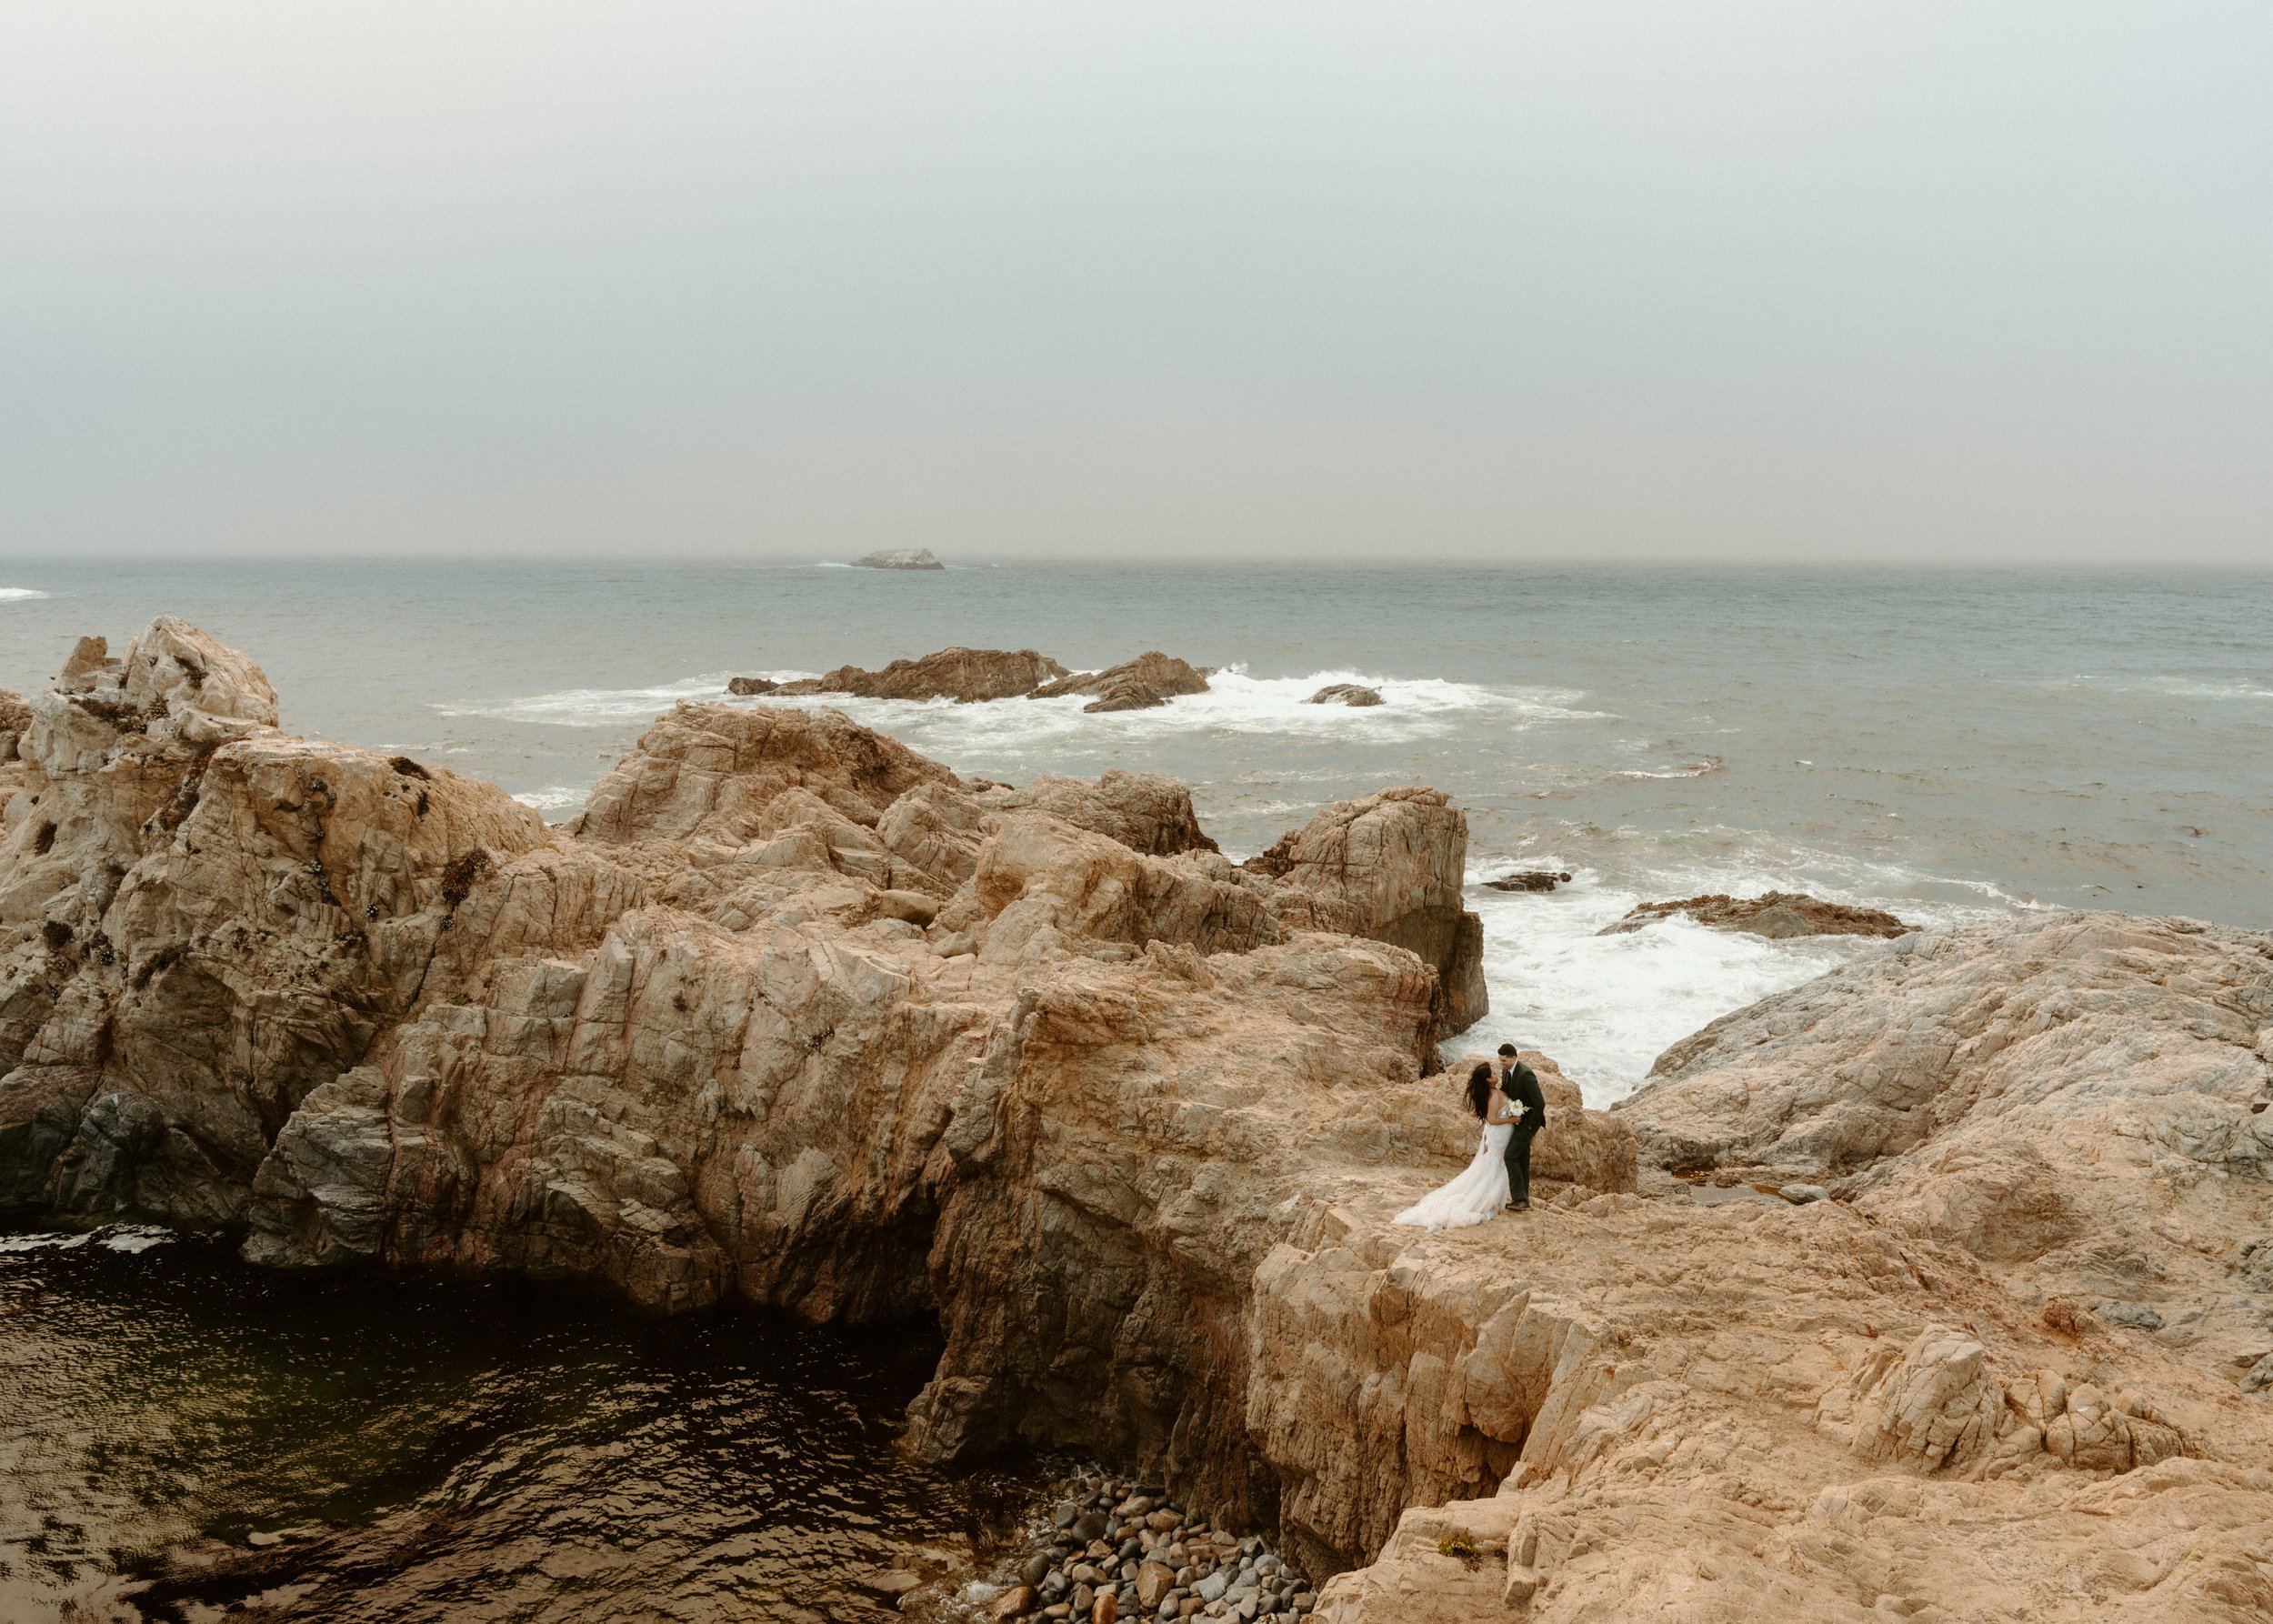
column 1507, row 1099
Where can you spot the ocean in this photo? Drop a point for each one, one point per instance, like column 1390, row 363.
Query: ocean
column 1949, row 745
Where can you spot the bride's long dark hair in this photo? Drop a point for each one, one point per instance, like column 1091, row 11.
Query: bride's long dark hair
column 1480, row 1091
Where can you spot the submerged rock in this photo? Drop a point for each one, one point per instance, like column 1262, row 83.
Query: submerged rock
column 899, row 558
column 1346, row 693
column 1150, row 679
column 1778, row 913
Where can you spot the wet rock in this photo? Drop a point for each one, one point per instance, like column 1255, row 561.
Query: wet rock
column 1776, row 914
column 1346, row 693
column 968, row 676
column 747, row 686
column 899, row 558
column 1149, row 680
column 1528, row 880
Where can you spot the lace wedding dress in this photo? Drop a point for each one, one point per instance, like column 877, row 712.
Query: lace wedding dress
column 1480, row 1192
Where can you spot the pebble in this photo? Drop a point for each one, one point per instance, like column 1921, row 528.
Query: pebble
column 1120, row 1550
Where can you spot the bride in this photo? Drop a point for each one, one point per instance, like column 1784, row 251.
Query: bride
column 1482, row 1190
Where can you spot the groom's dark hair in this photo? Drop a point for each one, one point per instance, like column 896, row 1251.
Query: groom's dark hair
column 1508, row 1049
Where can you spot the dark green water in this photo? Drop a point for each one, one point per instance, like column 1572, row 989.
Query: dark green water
column 443, row 1451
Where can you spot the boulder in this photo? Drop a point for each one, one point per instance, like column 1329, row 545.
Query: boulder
column 1776, row 914
column 899, row 558
column 1346, row 693
column 744, row 686
column 1149, row 680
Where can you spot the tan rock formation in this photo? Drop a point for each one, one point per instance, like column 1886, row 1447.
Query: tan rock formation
column 794, row 1014
column 899, row 558
column 1897, row 1402
column 1776, row 914
column 1149, row 680
column 1390, row 867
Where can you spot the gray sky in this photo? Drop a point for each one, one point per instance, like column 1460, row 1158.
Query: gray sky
column 1889, row 282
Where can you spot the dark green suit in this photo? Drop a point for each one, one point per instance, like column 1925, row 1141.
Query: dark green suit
column 1521, row 1084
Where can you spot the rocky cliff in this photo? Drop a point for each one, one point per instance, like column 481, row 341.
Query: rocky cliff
column 2002, row 1352
column 790, row 1014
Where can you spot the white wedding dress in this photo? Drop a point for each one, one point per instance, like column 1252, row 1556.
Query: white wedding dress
column 1479, row 1193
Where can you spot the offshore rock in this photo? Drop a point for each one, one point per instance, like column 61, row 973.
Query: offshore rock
column 1778, row 913
column 747, row 686
column 1528, row 880
column 1351, row 694
column 899, row 558
column 1149, row 680
column 967, row 675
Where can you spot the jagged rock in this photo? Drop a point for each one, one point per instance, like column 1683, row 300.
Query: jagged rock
column 1136, row 1153
column 1776, row 914
column 1143, row 811
column 1149, row 680
column 1528, row 880
column 967, row 675
column 1351, row 694
column 747, row 686
column 899, row 558
column 1390, row 867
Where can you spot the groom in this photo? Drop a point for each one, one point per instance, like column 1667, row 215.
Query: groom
column 1520, row 1083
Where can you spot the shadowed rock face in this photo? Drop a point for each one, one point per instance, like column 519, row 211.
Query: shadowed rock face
column 1778, row 913
column 1351, row 694
column 1149, row 680
column 794, row 1014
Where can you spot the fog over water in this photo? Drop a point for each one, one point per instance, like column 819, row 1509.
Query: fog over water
column 1767, row 279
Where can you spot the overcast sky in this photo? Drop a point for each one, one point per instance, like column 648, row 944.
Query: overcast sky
column 1841, row 281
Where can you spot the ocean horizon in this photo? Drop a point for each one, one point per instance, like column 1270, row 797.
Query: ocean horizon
column 1950, row 744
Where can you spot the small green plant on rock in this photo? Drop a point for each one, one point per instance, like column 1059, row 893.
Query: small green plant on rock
column 1461, row 1548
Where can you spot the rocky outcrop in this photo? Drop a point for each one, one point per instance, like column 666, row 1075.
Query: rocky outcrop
column 744, row 688
column 1149, row 680
column 788, row 1013
column 1353, row 694
column 1528, row 880
column 1381, row 868
column 792, row 1015
column 1776, row 914
column 967, row 675
column 899, row 558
